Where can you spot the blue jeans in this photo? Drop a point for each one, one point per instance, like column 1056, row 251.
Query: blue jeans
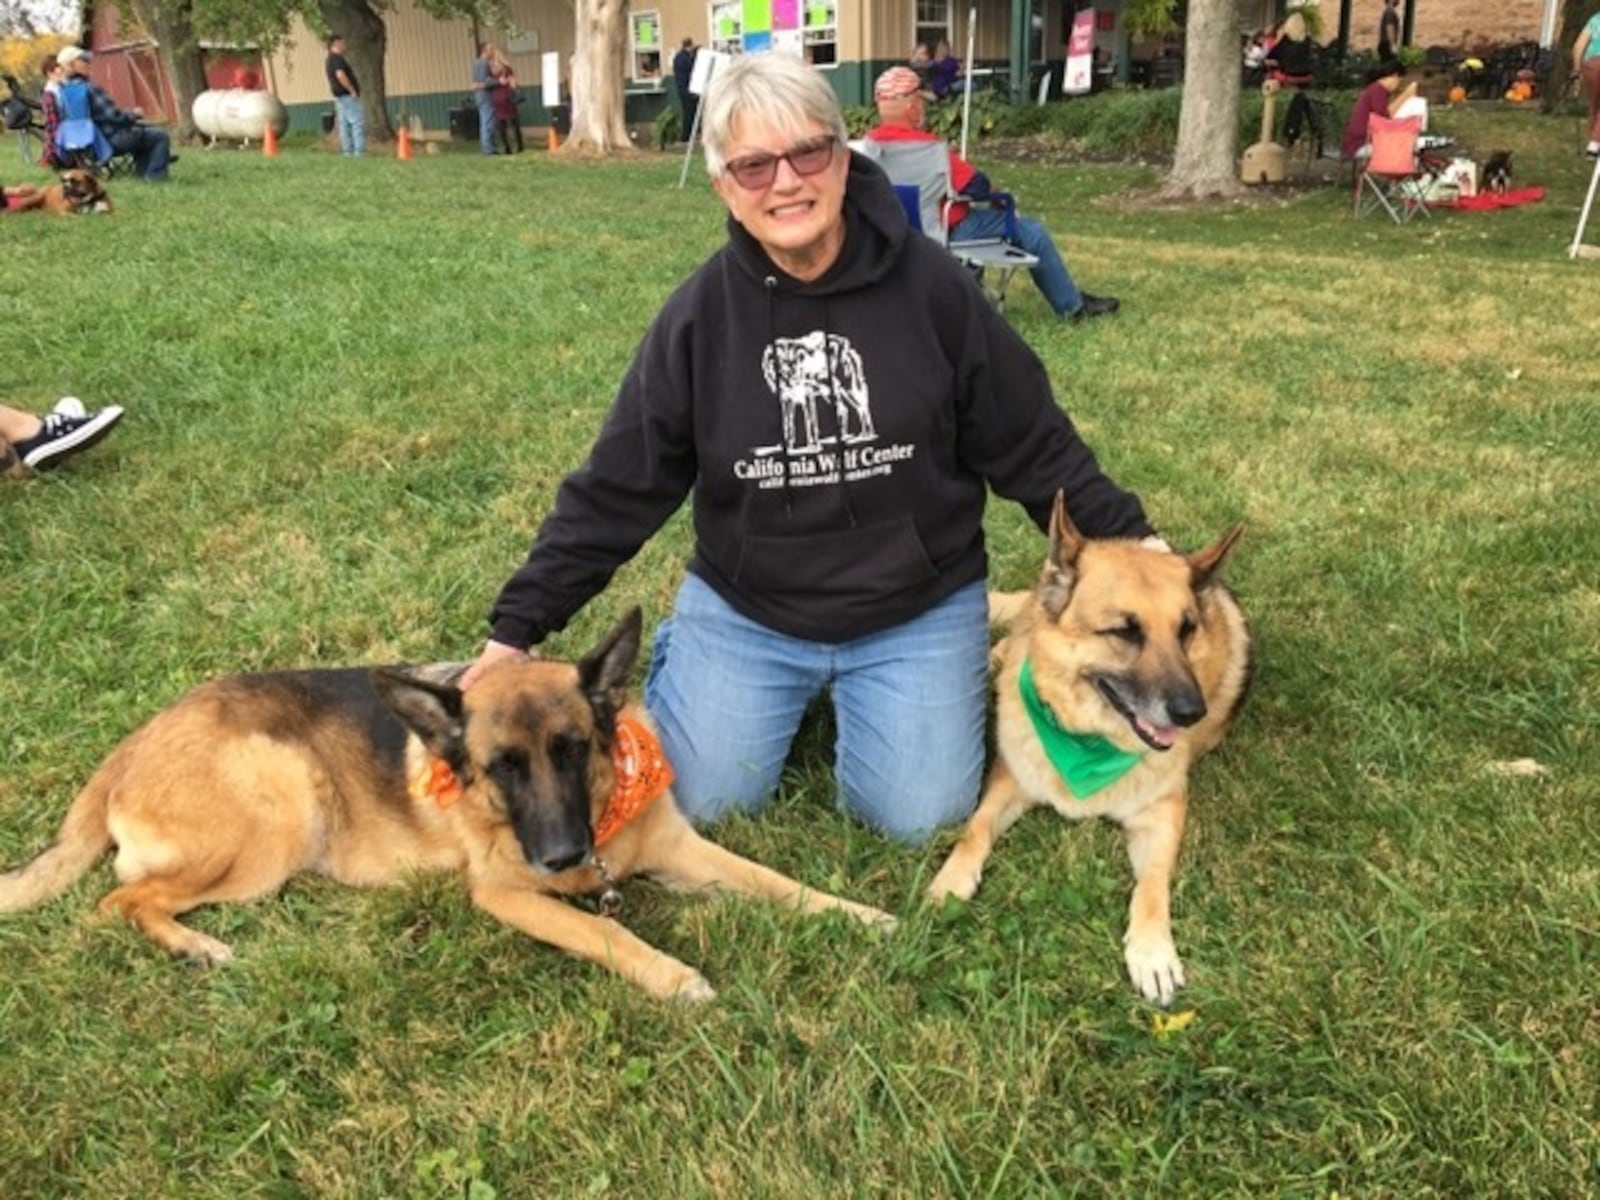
column 728, row 694
column 352, row 125
column 151, row 150
column 485, row 123
column 1051, row 276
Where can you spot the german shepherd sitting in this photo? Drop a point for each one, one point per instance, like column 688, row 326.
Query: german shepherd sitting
column 366, row 776
column 76, row 191
column 1122, row 668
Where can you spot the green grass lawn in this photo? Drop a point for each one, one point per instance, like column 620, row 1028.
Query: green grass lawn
column 352, row 388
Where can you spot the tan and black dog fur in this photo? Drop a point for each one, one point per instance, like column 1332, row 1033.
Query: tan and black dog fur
column 75, row 191
column 1147, row 649
column 250, row 780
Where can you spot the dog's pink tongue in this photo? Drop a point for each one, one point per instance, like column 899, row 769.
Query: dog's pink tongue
column 1159, row 735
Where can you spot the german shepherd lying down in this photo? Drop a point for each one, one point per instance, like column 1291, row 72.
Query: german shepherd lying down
column 1137, row 660
column 366, row 776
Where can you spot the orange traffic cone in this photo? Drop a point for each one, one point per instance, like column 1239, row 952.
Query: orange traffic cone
column 269, row 144
column 403, row 148
column 555, row 139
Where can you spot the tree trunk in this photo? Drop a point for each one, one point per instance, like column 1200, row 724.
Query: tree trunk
column 1205, row 164
column 366, row 43
column 598, row 127
column 168, row 22
column 1556, row 83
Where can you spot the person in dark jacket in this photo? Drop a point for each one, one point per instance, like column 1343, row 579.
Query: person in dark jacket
column 682, row 76
column 836, row 397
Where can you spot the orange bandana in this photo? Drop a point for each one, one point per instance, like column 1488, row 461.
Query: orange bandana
column 642, row 772
column 437, row 780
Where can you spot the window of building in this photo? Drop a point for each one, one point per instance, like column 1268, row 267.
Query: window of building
column 933, row 22
column 644, row 46
column 727, row 27
column 821, row 32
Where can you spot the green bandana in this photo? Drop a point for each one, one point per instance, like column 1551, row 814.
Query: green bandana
column 1087, row 762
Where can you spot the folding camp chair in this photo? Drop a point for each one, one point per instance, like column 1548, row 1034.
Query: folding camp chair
column 1392, row 176
column 920, row 173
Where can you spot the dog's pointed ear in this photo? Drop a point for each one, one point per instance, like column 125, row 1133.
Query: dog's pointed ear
column 1204, row 564
column 432, row 711
column 603, row 673
column 1061, row 567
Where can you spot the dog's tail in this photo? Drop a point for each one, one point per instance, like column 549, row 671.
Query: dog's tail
column 83, row 838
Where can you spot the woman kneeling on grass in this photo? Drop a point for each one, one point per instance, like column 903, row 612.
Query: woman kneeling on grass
column 835, row 393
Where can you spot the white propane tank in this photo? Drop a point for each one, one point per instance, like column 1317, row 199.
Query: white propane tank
column 239, row 114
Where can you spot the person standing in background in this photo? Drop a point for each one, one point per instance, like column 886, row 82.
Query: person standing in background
column 1586, row 65
column 682, row 73
column 483, row 82
column 1389, row 31
column 346, row 99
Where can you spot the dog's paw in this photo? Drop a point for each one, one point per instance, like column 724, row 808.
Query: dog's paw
column 956, row 879
column 205, row 951
column 875, row 917
column 694, row 989
column 1154, row 967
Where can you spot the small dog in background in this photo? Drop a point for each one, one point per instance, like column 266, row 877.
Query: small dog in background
column 77, row 191
column 1497, row 173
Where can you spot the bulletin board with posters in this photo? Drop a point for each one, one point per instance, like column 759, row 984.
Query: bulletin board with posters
column 807, row 29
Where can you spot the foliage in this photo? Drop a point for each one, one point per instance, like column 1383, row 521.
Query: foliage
column 1149, row 18
column 20, row 56
column 337, row 448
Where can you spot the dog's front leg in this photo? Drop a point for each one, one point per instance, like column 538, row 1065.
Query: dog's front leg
column 1003, row 802
column 599, row 939
column 1153, row 838
column 685, row 861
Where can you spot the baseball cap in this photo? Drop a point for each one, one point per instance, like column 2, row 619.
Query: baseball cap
column 898, row 82
column 71, row 54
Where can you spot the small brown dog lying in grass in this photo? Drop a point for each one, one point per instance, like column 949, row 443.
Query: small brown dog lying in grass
column 76, row 191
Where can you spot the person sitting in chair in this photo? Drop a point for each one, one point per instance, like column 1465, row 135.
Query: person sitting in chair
column 1291, row 60
column 1383, row 96
column 150, row 147
column 902, row 108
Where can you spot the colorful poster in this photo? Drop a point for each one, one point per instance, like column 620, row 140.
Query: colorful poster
column 1079, row 75
column 785, row 14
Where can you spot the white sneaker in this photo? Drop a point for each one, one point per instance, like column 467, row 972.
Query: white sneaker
column 70, row 406
column 64, row 435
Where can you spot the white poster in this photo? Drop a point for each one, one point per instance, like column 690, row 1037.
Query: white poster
column 550, row 78
column 1079, row 75
column 705, row 61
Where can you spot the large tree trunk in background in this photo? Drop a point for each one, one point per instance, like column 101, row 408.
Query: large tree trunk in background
column 366, row 43
column 1574, row 14
column 1205, row 164
column 598, row 126
column 167, row 21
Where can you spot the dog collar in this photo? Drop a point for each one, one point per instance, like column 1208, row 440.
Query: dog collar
column 642, row 772
column 1086, row 762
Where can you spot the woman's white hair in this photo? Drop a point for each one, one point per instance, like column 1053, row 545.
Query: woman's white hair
column 768, row 89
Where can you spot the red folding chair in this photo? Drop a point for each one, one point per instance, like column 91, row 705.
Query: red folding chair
column 1392, row 176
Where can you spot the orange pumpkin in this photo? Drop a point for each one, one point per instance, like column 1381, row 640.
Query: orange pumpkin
column 1458, row 95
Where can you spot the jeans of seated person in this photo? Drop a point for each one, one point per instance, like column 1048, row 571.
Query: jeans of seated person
column 728, row 695
column 352, row 125
column 485, row 123
column 1051, row 276
column 151, row 150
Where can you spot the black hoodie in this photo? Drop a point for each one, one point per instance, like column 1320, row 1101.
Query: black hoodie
column 838, row 437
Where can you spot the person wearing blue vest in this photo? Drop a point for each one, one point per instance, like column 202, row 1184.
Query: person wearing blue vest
column 123, row 131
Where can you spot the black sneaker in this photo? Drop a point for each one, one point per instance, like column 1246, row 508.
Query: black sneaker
column 64, row 435
column 1095, row 306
